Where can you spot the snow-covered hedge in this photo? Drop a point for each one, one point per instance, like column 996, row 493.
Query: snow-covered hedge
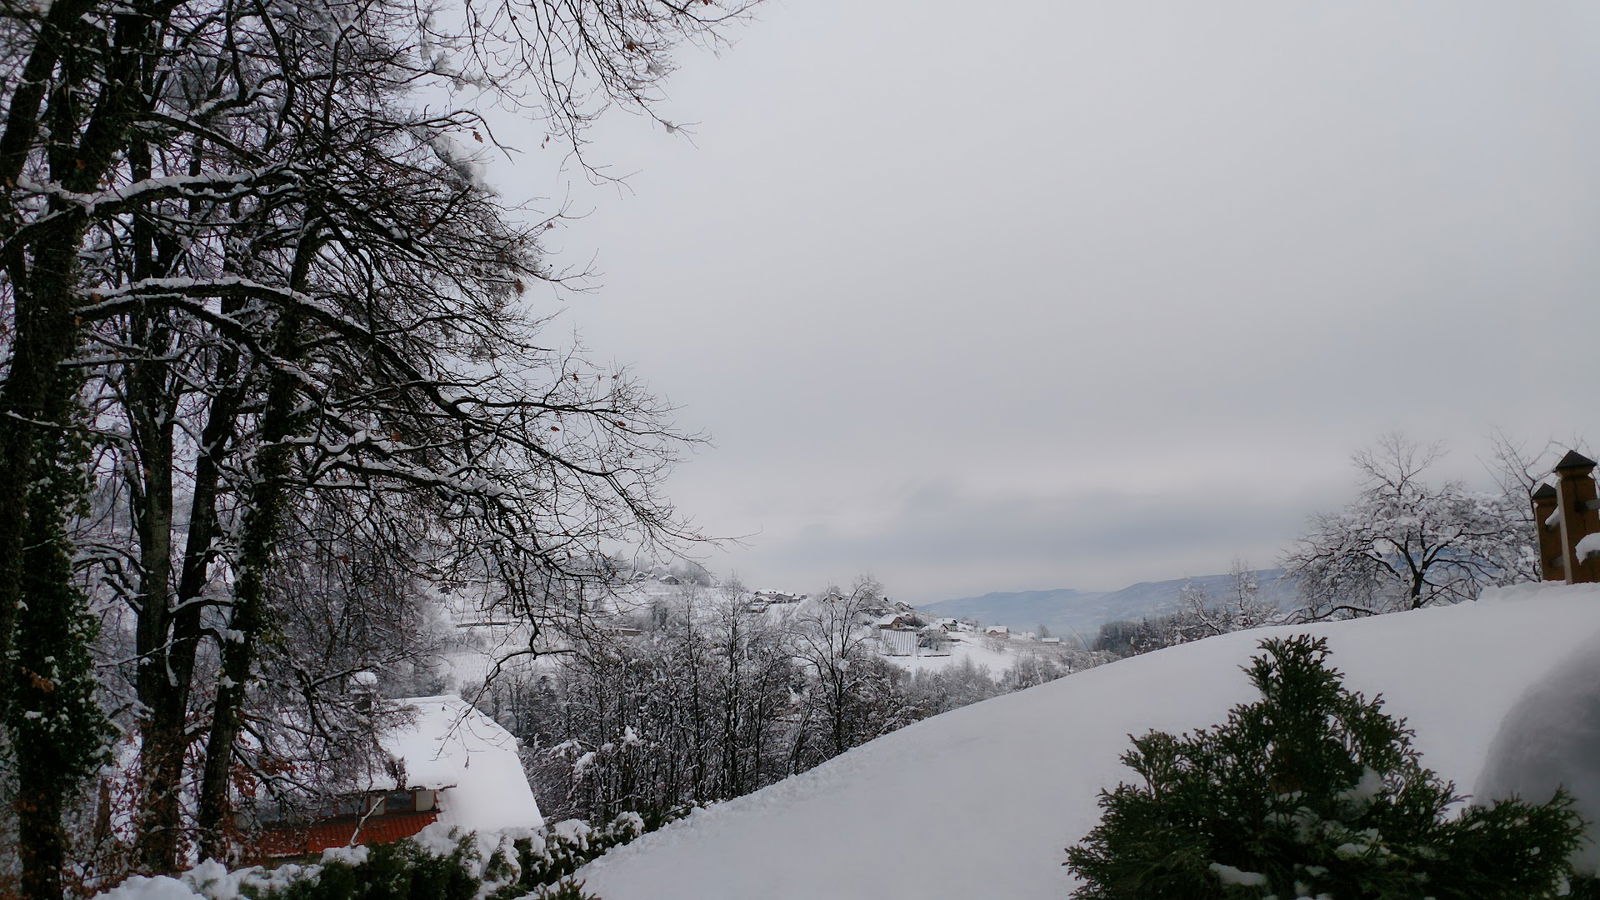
column 440, row 863
column 559, row 850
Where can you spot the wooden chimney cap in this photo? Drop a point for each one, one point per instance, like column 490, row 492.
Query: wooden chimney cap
column 1574, row 460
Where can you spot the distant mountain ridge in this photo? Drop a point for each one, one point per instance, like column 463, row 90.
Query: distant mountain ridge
column 1067, row 611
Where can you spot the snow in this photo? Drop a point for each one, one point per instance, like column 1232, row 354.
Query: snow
column 210, row 880
column 963, row 646
column 1231, row 875
column 144, row 887
column 1017, row 777
column 1589, row 546
column 454, row 747
column 1552, row 738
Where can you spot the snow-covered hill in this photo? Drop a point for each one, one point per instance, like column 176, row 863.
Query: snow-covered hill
column 1067, row 611
column 980, row 802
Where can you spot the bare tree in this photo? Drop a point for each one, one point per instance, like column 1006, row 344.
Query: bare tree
column 1518, row 470
column 231, row 231
column 1404, row 542
column 1241, row 608
column 829, row 638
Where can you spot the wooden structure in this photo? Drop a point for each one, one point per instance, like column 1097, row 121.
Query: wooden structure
column 377, row 818
column 1565, row 514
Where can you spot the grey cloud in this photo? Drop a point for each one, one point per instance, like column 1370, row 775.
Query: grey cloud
column 938, row 543
column 1028, row 258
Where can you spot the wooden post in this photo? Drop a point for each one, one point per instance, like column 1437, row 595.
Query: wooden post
column 1575, row 498
column 1549, row 534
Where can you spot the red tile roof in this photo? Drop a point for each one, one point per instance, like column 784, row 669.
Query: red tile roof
column 310, row 840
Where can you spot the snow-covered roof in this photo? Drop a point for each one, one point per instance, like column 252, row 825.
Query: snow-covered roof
column 453, row 748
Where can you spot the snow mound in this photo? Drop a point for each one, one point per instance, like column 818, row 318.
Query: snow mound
column 1551, row 739
column 982, row 801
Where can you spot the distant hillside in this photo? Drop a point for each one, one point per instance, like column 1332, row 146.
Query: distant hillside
column 1024, row 610
column 1066, row 611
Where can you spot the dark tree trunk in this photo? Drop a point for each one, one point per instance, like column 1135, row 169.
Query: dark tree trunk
column 262, row 521
column 41, row 848
column 151, row 401
column 165, row 733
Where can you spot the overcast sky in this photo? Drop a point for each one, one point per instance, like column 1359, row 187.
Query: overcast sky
column 1060, row 293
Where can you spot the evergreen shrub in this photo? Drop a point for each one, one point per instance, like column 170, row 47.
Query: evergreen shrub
column 1311, row 791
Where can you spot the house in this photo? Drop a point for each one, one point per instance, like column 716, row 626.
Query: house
column 893, row 621
column 450, row 764
column 999, row 631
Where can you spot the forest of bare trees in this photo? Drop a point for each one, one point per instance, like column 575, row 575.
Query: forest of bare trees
column 274, row 369
column 705, row 700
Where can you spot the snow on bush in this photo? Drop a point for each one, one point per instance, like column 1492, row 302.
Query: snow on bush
column 1312, row 791
column 439, row 863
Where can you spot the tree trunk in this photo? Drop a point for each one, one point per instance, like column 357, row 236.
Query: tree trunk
column 41, row 847
column 263, row 517
column 151, row 403
column 249, row 619
column 40, row 344
column 165, row 732
column 46, row 685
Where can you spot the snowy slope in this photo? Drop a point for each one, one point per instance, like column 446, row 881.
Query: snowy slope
column 980, row 802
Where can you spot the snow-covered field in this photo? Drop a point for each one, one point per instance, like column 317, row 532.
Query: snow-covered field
column 980, row 802
column 966, row 646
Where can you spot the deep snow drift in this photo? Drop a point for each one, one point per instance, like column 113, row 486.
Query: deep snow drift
column 980, row 802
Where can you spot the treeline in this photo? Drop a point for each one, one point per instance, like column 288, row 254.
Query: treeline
column 1199, row 614
column 1407, row 540
column 710, row 700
